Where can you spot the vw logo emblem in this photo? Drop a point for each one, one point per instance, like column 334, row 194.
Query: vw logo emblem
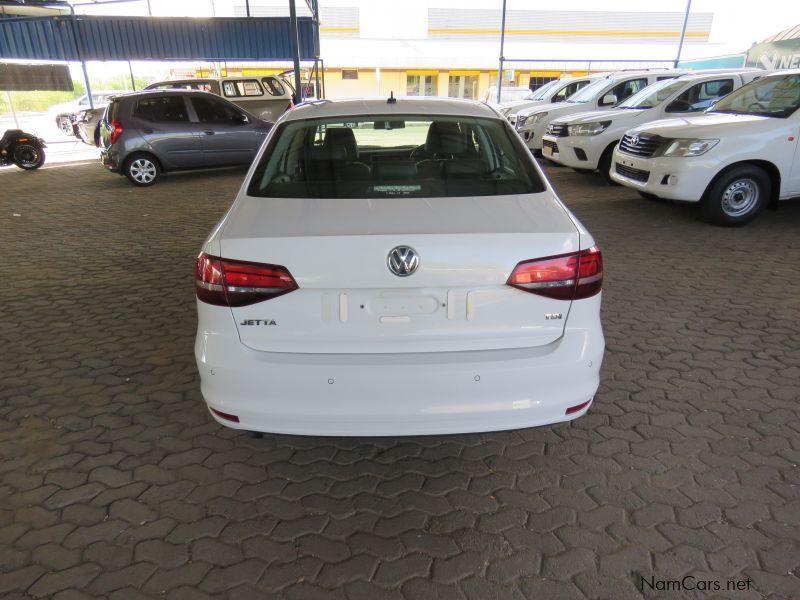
column 402, row 261
column 635, row 140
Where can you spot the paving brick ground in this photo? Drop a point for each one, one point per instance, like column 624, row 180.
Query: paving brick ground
column 116, row 483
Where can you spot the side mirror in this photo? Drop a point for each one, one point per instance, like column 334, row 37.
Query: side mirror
column 241, row 119
column 608, row 100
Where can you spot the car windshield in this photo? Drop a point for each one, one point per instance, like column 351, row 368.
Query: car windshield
column 653, row 95
column 544, row 90
column 394, row 156
column 507, row 95
column 777, row 96
column 589, row 93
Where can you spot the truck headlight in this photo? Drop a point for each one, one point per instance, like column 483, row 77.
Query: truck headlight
column 521, row 119
column 690, row 147
column 537, row 117
column 589, row 128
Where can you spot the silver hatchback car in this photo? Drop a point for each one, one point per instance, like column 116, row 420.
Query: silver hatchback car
column 147, row 133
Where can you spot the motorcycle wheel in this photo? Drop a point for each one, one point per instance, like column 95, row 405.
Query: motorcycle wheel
column 28, row 156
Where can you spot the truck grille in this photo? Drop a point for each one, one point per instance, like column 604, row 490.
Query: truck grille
column 550, row 144
column 638, row 145
column 557, row 130
column 631, row 173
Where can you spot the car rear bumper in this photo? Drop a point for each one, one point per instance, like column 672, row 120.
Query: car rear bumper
column 399, row 394
column 671, row 178
column 110, row 160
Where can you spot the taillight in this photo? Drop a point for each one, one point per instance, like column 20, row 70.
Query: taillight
column 238, row 283
column 564, row 277
column 116, row 131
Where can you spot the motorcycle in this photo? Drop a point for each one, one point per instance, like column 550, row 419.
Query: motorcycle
column 22, row 149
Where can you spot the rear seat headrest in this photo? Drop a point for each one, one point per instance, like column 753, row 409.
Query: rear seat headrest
column 394, row 170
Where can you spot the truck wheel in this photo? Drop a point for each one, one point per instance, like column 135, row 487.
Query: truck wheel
column 142, row 169
column 736, row 196
column 65, row 125
column 604, row 164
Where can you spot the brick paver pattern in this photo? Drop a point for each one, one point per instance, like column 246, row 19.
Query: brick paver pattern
column 116, row 483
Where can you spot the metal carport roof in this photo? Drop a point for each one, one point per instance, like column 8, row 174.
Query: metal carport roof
column 85, row 37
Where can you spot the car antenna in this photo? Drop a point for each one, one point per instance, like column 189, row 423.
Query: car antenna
column 392, row 99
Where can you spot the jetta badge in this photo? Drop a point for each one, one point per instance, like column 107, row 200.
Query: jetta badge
column 402, row 261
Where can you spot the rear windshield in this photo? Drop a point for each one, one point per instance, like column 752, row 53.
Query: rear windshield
column 394, row 156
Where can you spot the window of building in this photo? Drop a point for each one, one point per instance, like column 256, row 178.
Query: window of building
column 537, row 82
column 462, row 86
column 349, row 74
column 421, row 85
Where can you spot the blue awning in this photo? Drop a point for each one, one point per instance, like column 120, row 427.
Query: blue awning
column 153, row 38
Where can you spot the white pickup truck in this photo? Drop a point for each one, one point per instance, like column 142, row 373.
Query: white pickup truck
column 553, row 92
column 733, row 160
column 602, row 94
column 586, row 141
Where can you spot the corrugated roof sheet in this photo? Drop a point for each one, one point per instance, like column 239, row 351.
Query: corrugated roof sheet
column 790, row 33
column 148, row 38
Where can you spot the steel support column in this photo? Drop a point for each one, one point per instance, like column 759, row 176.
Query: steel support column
column 294, row 32
column 502, row 58
column 683, row 32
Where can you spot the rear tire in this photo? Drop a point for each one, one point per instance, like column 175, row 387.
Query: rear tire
column 28, row 156
column 142, row 169
column 736, row 196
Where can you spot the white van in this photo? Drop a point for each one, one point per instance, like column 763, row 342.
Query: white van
column 265, row 96
column 734, row 159
column 586, row 141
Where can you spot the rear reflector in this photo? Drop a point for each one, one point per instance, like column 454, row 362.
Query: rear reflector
column 574, row 409
column 226, row 416
column 564, row 277
column 238, row 283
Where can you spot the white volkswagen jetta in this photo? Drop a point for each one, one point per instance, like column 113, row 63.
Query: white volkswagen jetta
column 397, row 268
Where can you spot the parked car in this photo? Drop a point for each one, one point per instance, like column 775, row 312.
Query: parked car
column 62, row 113
column 555, row 91
column 586, row 141
column 144, row 134
column 267, row 97
column 86, row 124
column 354, row 290
column 734, row 159
column 601, row 94
column 507, row 94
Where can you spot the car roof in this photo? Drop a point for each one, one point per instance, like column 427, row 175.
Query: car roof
column 381, row 106
column 160, row 92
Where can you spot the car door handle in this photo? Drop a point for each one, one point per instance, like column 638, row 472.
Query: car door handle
column 209, row 132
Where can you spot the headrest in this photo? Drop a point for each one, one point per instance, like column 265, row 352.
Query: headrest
column 394, row 170
column 335, row 153
column 444, row 138
column 464, row 167
column 342, row 137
